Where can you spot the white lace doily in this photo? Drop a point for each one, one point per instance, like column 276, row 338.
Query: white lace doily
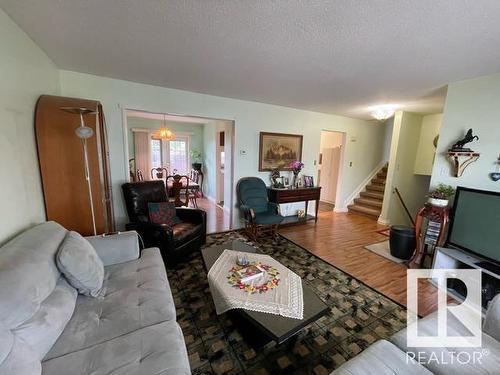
column 285, row 300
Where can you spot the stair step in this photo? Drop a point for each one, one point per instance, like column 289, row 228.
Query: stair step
column 382, row 176
column 373, row 212
column 378, row 181
column 368, row 202
column 372, row 194
column 375, row 188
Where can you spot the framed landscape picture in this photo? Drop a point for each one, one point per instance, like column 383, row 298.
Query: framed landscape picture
column 277, row 150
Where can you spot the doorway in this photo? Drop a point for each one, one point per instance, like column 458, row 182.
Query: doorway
column 195, row 146
column 220, row 159
column 329, row 167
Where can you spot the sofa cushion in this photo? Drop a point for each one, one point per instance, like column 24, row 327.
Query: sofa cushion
column 6, row 342
column 21, row 360
column 42, row 329
column 448, row 356
column 154, row 350
column 81, row 265
column 28, row 273
column 381, row 358
column 184, row 232
column 492, row 319
column 137, row 295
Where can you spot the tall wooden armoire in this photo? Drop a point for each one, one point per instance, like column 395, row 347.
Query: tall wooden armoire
column 61, row 160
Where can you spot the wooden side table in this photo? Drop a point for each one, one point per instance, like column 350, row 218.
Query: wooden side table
column 293, row 195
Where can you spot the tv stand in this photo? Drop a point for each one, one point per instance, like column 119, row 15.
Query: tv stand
column 459, row 259
column 495, row 268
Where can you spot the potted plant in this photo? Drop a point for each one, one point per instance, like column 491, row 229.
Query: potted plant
column 196, row 160
column 441, row 195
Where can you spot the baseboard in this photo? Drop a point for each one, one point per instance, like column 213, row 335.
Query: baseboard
column 361, row 186
column 383, row 221
column 340, row 209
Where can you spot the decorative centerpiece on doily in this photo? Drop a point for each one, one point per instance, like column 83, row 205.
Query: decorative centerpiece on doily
column 275, row 290
column 254, row 277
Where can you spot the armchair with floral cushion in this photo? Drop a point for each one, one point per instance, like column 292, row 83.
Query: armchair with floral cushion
column 184, row 235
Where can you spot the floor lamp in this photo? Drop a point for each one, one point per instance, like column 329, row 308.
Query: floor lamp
column 84, row 132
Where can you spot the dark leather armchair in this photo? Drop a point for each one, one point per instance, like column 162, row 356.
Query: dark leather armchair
column 175, row 241
column 258, row 212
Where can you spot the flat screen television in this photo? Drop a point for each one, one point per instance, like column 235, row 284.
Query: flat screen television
column 475, row 223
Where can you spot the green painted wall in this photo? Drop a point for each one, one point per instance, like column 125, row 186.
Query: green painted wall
column 25, row 74
column 475, row 104
column 144, row 123
column 364, row 147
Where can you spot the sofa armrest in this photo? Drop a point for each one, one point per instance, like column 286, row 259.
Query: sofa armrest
column 491, row 324
column 116, row 248
column 153, row 235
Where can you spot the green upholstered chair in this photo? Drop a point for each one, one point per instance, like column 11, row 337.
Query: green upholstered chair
column 258, row 212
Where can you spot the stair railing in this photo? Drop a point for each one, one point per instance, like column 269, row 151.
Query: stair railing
column 404, row 206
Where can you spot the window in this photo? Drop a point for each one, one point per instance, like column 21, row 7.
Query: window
column 156, row 153
column 179, row 155
column 171, row 154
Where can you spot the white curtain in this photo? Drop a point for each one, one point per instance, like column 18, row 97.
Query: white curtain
column 142, row 146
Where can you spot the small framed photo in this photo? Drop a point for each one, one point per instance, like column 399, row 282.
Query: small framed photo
column 308, row 181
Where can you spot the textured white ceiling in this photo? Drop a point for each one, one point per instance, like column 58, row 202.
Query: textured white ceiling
column 336, row 56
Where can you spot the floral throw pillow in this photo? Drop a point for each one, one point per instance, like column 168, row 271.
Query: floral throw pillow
column 163, row 213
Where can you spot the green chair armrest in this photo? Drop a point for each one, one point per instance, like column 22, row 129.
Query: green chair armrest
column 276, row 206
column 248, row 213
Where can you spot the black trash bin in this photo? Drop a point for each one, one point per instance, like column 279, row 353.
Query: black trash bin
column 402, row 241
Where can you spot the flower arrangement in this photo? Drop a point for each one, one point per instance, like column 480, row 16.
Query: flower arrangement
column 296, row 166
column 273, row 279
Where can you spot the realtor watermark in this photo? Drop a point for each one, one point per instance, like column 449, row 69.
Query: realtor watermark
column 457, row 326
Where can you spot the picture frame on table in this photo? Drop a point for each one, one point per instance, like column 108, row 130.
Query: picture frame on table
column 308, row 181
column 278, row 150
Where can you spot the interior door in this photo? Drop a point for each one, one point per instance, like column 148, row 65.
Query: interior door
column 330, row 173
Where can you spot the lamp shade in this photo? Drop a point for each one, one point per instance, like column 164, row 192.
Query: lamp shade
column 84, row 132
column 165, row 134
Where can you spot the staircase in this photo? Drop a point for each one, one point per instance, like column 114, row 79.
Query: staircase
column 370, row 201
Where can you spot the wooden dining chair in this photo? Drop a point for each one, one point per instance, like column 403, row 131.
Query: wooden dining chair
column 139, row 175
column 197, row 177
column 159, row 173
column 178, row 189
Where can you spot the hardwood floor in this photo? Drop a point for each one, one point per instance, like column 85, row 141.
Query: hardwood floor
column 217, row 218
column 339, row 238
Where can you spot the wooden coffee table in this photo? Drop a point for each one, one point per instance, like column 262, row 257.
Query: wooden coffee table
column 273, row 327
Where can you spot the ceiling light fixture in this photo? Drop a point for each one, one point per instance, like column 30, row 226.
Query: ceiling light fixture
column 164, row 133
column 383, row 112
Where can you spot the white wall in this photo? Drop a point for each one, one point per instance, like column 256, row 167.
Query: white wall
column 25, row 73
column 389, row 129
column 426, row 153
column 400, row 174
column 475, row 104
column 363, row 148
column 209, row 161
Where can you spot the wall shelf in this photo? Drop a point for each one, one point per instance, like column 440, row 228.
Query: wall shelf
column 461, row 160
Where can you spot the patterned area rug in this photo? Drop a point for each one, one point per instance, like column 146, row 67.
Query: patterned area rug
column 358, row 317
